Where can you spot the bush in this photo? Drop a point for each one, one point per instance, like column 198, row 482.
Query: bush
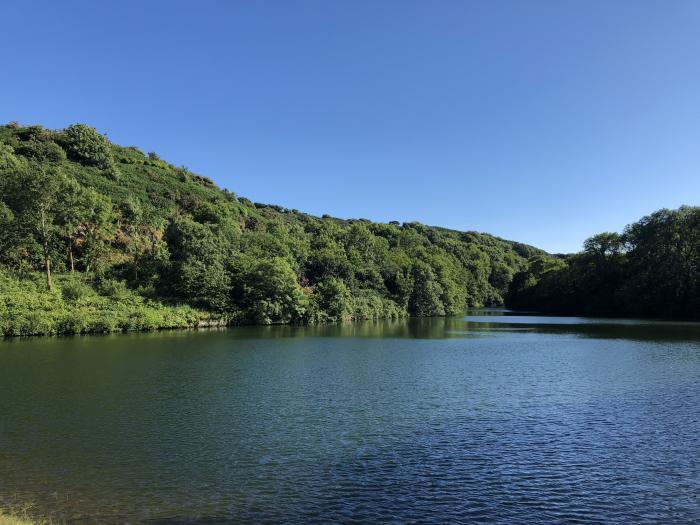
column 37, row 323
column 41, row 150
column 87, row 146
column 8, row 160
column 112, row 288
column 74, row 290
column 71, row 323
column 112, row 170
column 104, row 322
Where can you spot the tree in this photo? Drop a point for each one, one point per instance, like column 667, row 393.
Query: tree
column 328, row 261
column 84, row 144
column 664, row 259
column 33, row 193
column 426, row 296
column 268, row 290
column 197, row 271
column 334, row 299
column 41, row 150
column 604, row 244
column 86, row 223
column 8, row 160
column 525, row 290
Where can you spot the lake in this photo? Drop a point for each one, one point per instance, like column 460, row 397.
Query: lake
column 491, row 418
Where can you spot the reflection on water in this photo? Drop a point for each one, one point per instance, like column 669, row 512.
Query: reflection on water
column 640, row 329
column 494, row 417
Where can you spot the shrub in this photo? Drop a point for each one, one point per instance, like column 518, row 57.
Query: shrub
column 37, row 323
column 104, row 322
column 112, row 170
column 8, row 160
column 41, row 150
column 74, row 290
column 27, row 308
column 72, row 322
column 33, row 133
column 84, row 144
column 112, row 288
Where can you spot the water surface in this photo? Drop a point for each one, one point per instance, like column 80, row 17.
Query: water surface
column 494, row 418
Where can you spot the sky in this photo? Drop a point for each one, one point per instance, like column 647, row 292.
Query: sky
column 539, row 121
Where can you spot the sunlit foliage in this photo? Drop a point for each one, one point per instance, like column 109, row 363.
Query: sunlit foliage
column 72, row 204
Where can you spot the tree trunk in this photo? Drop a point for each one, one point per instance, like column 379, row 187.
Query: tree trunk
column 70, row 255
column 47, row 261
column 45, row 243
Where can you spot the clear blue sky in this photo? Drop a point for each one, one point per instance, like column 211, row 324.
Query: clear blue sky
column 543, row 122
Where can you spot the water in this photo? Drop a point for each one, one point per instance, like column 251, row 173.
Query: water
column 489, row 419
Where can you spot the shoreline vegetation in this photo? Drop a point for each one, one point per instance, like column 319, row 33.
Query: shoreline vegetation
column 20, row 518
column 98, row 238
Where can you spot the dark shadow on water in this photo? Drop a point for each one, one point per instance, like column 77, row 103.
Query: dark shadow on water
column 198, row 521
column 478, row 323
column 499, row 321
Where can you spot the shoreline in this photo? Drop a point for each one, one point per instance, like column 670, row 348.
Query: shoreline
column 212, row 324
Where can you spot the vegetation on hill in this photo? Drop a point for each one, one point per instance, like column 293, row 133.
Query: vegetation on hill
column 100, row 237
column 651, row 269
column 14, row 520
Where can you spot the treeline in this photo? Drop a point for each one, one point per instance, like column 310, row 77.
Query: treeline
column 105, row 217
column 652, row 269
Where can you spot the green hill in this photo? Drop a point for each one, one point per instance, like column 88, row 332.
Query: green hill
column 97, row 237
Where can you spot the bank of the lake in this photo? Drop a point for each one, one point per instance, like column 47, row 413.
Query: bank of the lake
column 27, row 307
column 72, row 307
column 11, row 518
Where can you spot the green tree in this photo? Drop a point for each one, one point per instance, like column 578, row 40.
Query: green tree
column 197, row 271
column 86, row 223
column 8, row 160
column 664, row 259
column 84, row 144
column 334, row 299
column 425, row 298
column 604, row 244
column 33, row 194
column 268, row 290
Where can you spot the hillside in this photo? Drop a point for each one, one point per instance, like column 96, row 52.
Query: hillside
column 100, row 237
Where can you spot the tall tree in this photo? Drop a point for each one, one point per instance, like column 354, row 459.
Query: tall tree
column 86, row 221
column 33, row 192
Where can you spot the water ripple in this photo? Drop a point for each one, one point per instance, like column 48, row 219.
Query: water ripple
column 518, row 427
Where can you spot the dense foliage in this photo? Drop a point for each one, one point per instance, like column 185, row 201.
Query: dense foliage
column 73, row 203
column 26, row 308
column 651, row 269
